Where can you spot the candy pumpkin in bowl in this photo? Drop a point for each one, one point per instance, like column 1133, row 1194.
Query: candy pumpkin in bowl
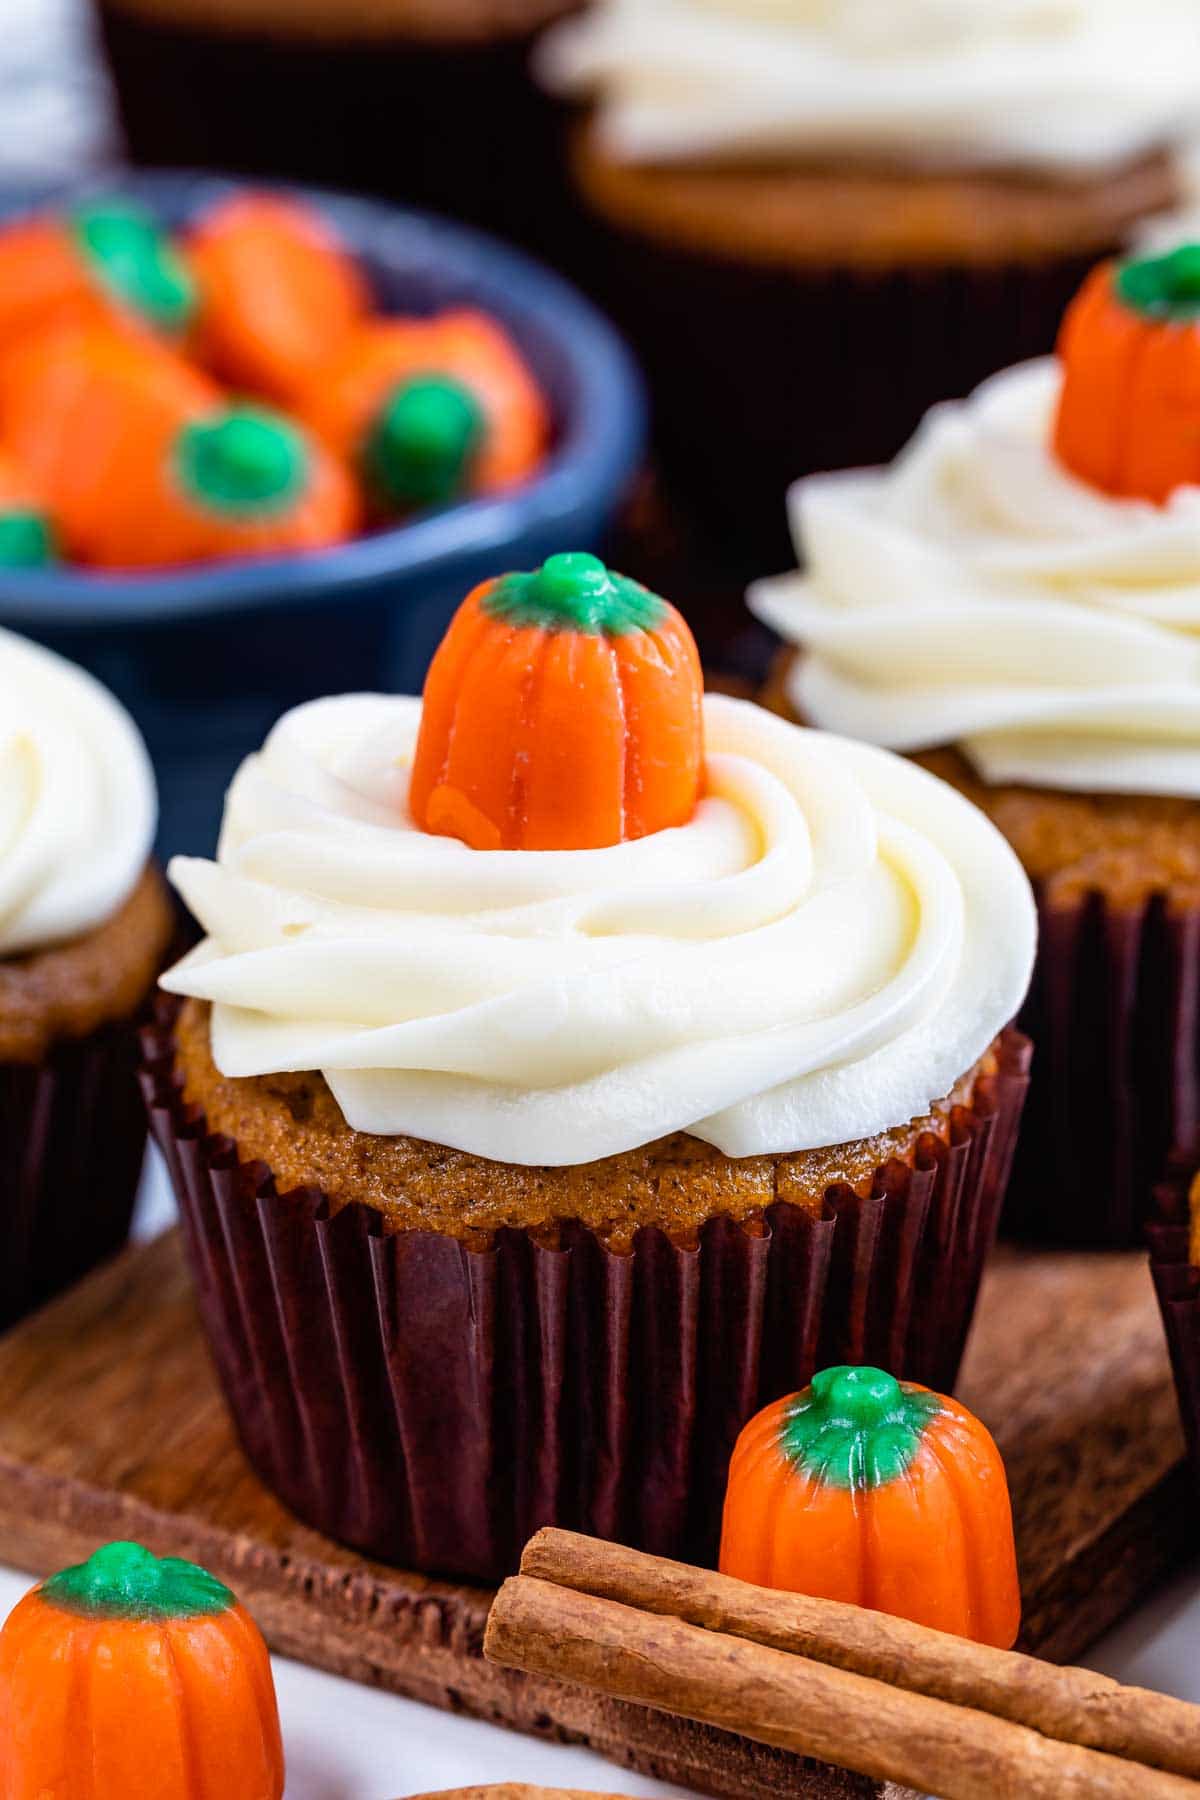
column 26, row 534
column 100, row 262
column 278, row 293
column 143, row 462
column 570, row 1060
column 1015, row 602
column 430, row 410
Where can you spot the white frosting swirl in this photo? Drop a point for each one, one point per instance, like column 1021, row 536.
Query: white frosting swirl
column 77, row 800
column 1054, row 84
column 977, row 593
column 825, row 949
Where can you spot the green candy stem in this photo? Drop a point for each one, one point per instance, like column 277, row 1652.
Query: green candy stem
column 1163, row 287
column 856, row 1427
column 124, row 1581
column 245, row 462
column 26, row 541
column 573, row 591
column 420, row 449
column 137, row 263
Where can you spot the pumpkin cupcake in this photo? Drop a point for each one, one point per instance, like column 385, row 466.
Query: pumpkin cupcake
column 871, row 206
column 571, row 1063
column 1016, row 603
column 85, row 926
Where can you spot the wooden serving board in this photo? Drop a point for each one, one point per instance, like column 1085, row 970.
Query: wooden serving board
column 111, row 1425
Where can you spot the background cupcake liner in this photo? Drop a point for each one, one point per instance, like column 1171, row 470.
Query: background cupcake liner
column 1115, row 1013
column 434, row 1404
column 458, row 126
column 1114, row 1009
column 1177, row 1284
column 72, row 1138
column 822, row 368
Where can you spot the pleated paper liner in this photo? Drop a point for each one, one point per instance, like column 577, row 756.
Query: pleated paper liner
column 433, row 1404
column 821, row 368
column 1177, row 1285
column 449, row 121
column 72, row 1137
column 1113, row 1011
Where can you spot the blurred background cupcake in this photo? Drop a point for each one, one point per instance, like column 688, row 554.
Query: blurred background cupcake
column 428, row 101
column 1016, row 602
column 823, row 215
column 85, row 927
column 571, row 1063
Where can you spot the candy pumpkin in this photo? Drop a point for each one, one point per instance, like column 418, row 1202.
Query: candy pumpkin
column 876, row 1491
column 430, row 409
column 279, row 295
column 1129, row 414
column 130, row 1676
column 562, row 711
column 26, row 536
column 143, row 463
column 98, row 262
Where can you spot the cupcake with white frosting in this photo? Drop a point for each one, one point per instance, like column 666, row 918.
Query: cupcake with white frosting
column 571, row 1061
column 870, row 206
column 1016, row 602
column 85, row 924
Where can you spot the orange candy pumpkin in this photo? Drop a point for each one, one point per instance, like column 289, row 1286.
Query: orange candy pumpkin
column 104, row 261
column 562, row 712
column 1129, row 414
column 133, row 1676
column 878, row 1492
column 142, row 462
column 279, row 295
column 430, row 409
column 26, row 535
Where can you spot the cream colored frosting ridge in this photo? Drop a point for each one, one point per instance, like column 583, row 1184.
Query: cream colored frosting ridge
column 976, row 593
column 1062, row 85
column 77, row 800
column 830, row 943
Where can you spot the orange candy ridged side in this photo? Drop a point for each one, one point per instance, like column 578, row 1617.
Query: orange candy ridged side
column 279, row 296
column 542, row 737
column 1128, row 419
column 111, row 1706
column 933, row 1544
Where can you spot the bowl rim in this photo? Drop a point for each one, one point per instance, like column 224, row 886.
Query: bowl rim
column 596, row 452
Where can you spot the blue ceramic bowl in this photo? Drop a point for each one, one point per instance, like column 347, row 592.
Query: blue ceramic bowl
column 207, row 657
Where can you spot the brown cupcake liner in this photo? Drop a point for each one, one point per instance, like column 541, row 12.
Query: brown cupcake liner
column 831, row 367
column 1115, row 1012
column 72, row 1139
column 450, row 122
column 1114, row 1009
column 1177, row 1285
column 434, row 1404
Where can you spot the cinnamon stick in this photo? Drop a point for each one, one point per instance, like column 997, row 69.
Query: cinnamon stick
column 1075, row 1706
column 798, row 1704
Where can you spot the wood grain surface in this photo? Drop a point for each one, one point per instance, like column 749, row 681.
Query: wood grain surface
column 111, row 1425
